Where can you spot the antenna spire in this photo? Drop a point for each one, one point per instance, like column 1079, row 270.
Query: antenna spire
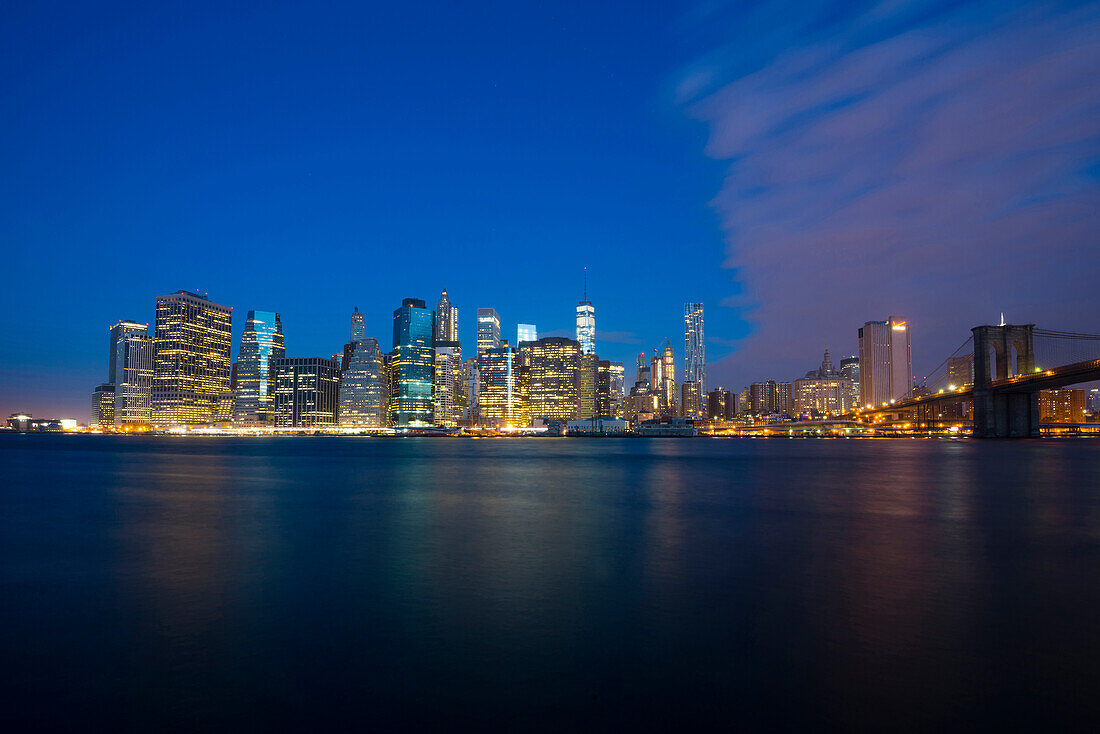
column 586, row 282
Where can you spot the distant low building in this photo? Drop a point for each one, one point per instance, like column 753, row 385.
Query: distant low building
column 596, row 426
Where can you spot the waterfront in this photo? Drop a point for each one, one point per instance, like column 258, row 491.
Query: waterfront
column 191, row 582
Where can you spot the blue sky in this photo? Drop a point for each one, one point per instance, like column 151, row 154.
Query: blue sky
column 799, row 169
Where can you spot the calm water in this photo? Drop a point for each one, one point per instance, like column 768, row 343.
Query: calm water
column 532, row 583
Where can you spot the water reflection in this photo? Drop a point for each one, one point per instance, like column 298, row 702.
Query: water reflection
column 760, row 583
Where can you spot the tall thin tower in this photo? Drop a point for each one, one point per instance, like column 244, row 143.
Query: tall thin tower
column 586, row 321
column 695, row 349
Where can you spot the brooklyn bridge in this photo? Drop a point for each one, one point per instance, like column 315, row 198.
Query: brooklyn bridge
column 1011, row 364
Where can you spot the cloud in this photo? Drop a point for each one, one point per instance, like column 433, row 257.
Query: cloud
column 941, row 165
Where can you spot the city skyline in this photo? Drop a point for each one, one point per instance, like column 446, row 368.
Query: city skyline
column 673, row 148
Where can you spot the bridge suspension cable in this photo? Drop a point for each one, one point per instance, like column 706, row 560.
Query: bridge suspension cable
column 943, row 378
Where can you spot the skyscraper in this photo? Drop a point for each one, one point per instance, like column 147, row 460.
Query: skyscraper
column 261, row 344
column 448, row 391
column 586, row 322
column 497, row 402
column 446, row 320
column 413, row 360
column 662, row 379
column 131, row 374
column 526, row 333
column 690, row 399
column 587, row 386
column 849, row 369
column 191, row 361
column 695, row 348
column 306, row 392
column 555, row 364
column 885, row 361
column 488, row 330
column 362, row 383
column 103, row 406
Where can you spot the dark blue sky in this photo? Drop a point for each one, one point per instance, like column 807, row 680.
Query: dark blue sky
column 799, row 170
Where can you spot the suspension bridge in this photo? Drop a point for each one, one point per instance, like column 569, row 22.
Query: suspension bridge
column 1011, row 364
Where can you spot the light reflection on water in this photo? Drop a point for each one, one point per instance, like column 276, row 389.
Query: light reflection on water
column 322, row 582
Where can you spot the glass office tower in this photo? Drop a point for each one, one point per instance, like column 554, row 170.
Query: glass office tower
column 488, row 330
column 526, row 333
column 191, row 360
column 261, row 344
column 695, row 348
column 131, row 374
column 413, row 358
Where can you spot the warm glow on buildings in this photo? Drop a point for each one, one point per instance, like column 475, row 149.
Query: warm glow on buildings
column 191, row 362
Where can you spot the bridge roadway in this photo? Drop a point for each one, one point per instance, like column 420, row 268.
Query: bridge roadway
column 1026, row 385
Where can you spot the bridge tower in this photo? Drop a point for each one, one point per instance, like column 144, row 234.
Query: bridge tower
column 1000, row 411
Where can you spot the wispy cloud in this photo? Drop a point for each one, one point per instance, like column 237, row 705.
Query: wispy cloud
column 941, row 165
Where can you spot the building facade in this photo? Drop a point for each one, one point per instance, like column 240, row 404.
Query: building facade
column 448, row 391
column 306, row 392
column 131, row 374
column 191, row 358
column 261, row 344
column 849, row 370
column 488, row 330
column 103, row 406
column 690, row 399
column 823, row 392
column 497, row 404
column 587, row 385
column 586, row 327
column 695, row 348
column 413, row 362
column 446, row 320
column 1063, row 406
column 885, row 362
column 555, row 374
column 526, row 333
column 362, row 386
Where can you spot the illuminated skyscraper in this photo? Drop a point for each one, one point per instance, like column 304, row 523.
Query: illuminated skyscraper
column 497, row 401
column 488, row 330
column 555, row 367
column 362, row 382
column 413, row 360
column 447, row 387
column 191, row 361
column 526, row 333
column 690, row 399
column 609, row 389
column 885, row 361
column 306, row 392
column 261, row 344
column 362, row 386
column 103, row 406
column 721, row 404
column 849, row 369
column 587, row 384
column 662, row 379
column 695, row 348
column 131, row 373
column 586, row 322
column 446, row 320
